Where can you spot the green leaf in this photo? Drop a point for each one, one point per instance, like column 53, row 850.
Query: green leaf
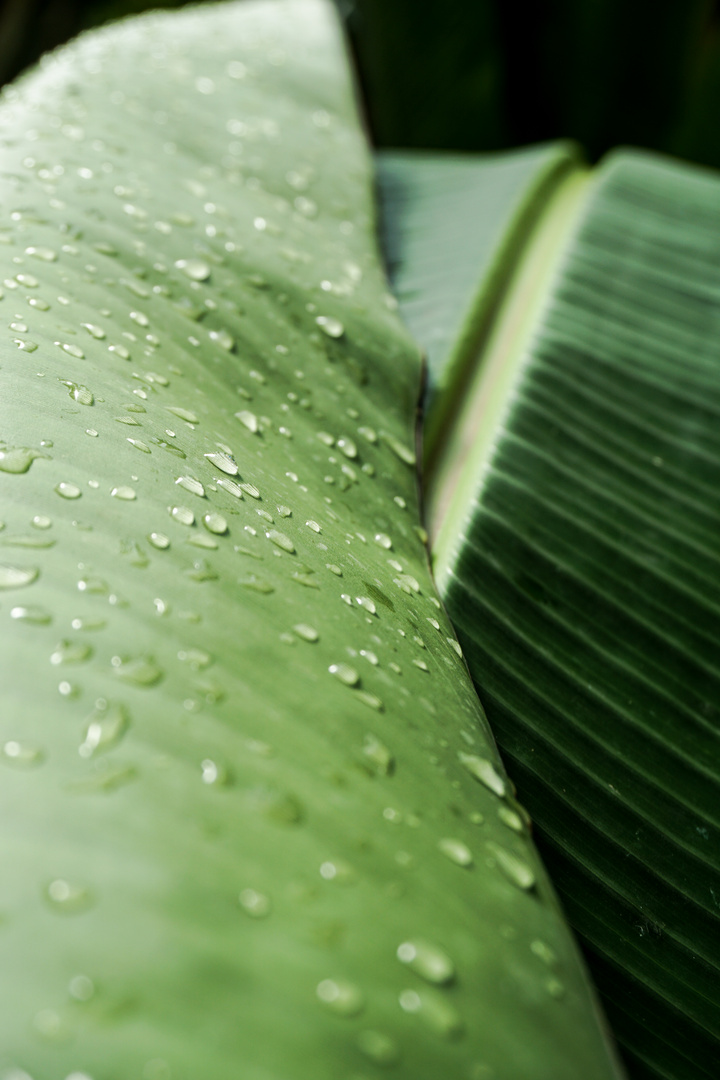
column 254, row 820
column 577, row 554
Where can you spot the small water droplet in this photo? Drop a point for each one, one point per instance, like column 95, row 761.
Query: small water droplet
column 105, row 728
column 182, row 514
column 70, row 652
column 159, row 540
column 249, row 419
column 68, row 491
column 68, row 897
column 366, row 603
column 46, row 254
column 189, row 483
column 306, row 632
column 222, row 338
column 428, row 961
column 34, row 614
column 124, row 492
column 380, row 1048
column 81, row 988
column 214, row 774
column 334, row 569
column 330, row 326
column 484, row 771
column 255, row 903
column 195, row 269
column 421, row 665
column 95, row 331
column 341, row 997
column 383, row 540
column 347, row 447
column 139, row 671
column 215, row 523
column 376, row 757
column 14, row 577
column 401, row 450
column 456, row 851
column 371, row 700
column 515, row 870
column 72, row 350
column 183, row 414
column 280, row 540
column 346, row 674
column 511, row 819
column 41, row 521
column 23, row 755
column 434, row 1010
column 543, row 952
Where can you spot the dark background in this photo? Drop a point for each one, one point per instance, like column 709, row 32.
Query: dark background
column 491, row 74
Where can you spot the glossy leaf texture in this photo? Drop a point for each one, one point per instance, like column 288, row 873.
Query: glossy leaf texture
column 577, row 553
column 254, row 822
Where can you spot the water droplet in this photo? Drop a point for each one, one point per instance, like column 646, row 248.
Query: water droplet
column 72, row 350
column 68, row 491
column 183, row 414
column 249, row 419
column 195, row 269
column 46, row 254
column 81, row 988
column 214, row 774
column 366, row 603
column 543, row 952
column 307, row 633
column 71, row 652
column 346, row 674
column 376, row 757
column 515, row 870
column 256, row 584
column 34, row 614
column 95, row 331
column 341, row 997
column 182, row 515
column 456, row 851
column 255, row 903
column 383, row 540
column 484, row 771
column 334, row 569
column 278, row 806
column 332, row 327
column 223, row 462
column 222, row 338
column 428, row 961
column 371, row 700
column 140, row 670
column 379, row 1047
column 41, row 521
column 434, row 1010
column 18, row 459
column 127, row 494
column 189, row 483
column 280, row 540
column 215, row 523
column 120, row 351
column 68, row 897
column 401, row 450
column 407, row 583
column 159, row 540
column 106, row 727
column 22, row 755
column 511, row 819
column 14, row 577
column 347, row 447
column 421, row 665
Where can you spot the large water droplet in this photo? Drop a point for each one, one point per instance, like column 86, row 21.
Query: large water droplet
column 182, row 514
column 159, row 540
column 195, row 269
column 429, row 961
column 140, row 670
column 14, row 577
column 18, row 459
column 223, row 462
column 124, row 492
column 231, row 487
column 215, row 523
column 484, row 771
column 515, row 870
column 341, row 997
column 189, row 483
column 106, row 727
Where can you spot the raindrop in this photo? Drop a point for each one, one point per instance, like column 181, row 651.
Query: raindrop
column 139, row 671
column 215, row 523
column 511, row 819
column 383, row 540
column 223, row 462
column 183, row 414
column 434, row 1010
column 455, row 645
column 515, row 870
column 195, row 269
column 249, row 419
column 81, row 988
column 95, row 331
column 347, row 447
column 543, row 952
column 127, row 494
column 182, row 515
column 70, row 652
column 250, row 490
column 379, row 1047
column 41, row 521
column 332, row 327
column 231, row 487
column 18, row 459
column 314, row 526
column 428, row 961
column 38, row 616
column 79, row 393
column 72, row 350
column 106, row 727
column 68, row 897
column 341, row 997
column 278, row 806
column 307, row 633
column 254, row 903
column 280, row 540
column 376, row 757
column 371, row 700
column 401, row 450
column 421, row 665
column 20, row 754
column 256, row 584
column 14, row 577
column 223, row 339
column 334, row 569
column 213, row 774
column 159, row 540
column 407, row 583
column 346, row 674
column 366, row 602
column 44, row 253
column 67, row 490
column 456, row 851
column 189, row 483
column 484, row 771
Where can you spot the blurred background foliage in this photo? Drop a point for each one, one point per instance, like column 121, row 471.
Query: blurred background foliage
column 491, row 74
